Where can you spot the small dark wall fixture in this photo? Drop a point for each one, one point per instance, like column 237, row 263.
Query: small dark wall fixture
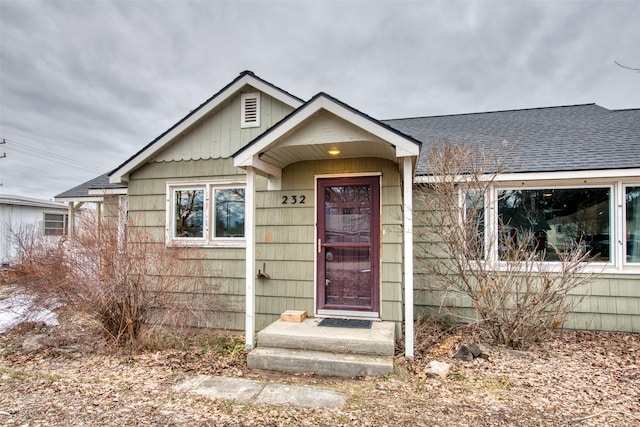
column 262, row 274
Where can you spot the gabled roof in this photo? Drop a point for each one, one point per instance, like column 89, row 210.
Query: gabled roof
column 92, row 190
column 568, row 138
column 120, row 174
column 400, row 144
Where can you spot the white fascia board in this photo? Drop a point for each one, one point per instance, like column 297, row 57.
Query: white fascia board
column 593, row 174
column 79, row 199
column 108, row 191
column 404, row 147
column 546, row 176
column 122, row 175
column 264, row 167
column 248, row 156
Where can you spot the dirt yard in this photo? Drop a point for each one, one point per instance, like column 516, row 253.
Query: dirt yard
column 63, row 375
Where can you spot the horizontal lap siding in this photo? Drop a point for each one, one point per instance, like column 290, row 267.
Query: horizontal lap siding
column 609, row 301
column 285, row 236
column 203, row 154
column 223, row 268
column 284, row 250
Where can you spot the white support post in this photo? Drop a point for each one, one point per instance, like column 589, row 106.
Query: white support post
column 71, row 220
column 99, row 218
column 249, row 229
column 407, row 183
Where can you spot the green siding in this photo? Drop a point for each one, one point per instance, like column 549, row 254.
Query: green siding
column 286, row 234
column 610, row 301
column 218, row 135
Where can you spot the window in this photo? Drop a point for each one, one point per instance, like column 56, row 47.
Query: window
column 229, row 212
column 555, row 220
column 189, row 212
column 602, row 221
column 474, row 223
column 55, row 224
column 206, row 214
column 632, row 224
column 250, row 110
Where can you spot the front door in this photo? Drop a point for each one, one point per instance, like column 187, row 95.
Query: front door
column 348, row 245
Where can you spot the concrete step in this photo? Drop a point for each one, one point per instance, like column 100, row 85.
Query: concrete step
column 379, row 340
column 319, row 362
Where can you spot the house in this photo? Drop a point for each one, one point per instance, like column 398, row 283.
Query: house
column 97, row 192
column 24, row 218
column 308, row 205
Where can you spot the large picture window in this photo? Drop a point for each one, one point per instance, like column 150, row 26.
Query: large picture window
column 554, row 220
column 205, row 214
column 600, row 221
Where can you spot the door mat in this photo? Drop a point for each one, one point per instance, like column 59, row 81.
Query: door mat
column 346, row 323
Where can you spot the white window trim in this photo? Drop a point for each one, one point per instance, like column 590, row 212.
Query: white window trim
column 617, row 222
column 622, row 205
column 65, row 224
column 171, row 215
column 244, row 99
column 208, row 239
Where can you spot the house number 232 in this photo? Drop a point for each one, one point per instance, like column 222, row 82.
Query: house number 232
column 293, row 200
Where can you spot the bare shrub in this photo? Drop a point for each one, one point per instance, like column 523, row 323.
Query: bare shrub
column 128, row 282
column 518, row 299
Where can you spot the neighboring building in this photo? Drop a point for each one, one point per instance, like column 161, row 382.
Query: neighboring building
column 97, row 192
column 23, row 217
column 319, row 196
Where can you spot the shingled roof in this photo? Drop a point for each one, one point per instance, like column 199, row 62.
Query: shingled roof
column 570, row 138
column 82, row 191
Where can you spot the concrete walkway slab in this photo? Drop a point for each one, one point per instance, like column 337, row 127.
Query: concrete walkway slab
column 251, row 391
column 237, row 389
column 303, row 396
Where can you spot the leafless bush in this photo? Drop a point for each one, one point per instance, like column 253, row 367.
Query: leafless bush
column 129, row 283
column 519, row 299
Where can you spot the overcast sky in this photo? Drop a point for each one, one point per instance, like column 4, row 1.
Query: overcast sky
column 85, row 84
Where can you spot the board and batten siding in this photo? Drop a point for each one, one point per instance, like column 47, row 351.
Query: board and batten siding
column 219, row 135
column 611, row 301
column 285, row 236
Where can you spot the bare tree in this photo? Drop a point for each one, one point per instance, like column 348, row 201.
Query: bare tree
column 498, row 268
column 129, row 283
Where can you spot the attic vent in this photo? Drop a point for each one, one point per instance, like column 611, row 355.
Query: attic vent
column 250, row 110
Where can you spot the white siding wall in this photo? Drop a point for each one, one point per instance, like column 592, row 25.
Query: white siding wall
column 20, row 219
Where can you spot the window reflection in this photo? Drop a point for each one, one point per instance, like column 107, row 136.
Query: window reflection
column 189, row 213
column 556, row 220
column 229, row 212
column 632, row 196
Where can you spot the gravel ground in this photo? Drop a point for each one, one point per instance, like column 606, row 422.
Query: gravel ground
column 65, row 375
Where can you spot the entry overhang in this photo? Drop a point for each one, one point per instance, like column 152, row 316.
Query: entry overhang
column 322, row 125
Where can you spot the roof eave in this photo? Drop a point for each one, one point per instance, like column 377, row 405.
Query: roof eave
column 404, row 145
column 595, row 174
column 121, row 174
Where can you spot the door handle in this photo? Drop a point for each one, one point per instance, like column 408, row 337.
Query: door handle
column 319, row 246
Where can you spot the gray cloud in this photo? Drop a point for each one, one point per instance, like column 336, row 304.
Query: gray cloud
column 94, row 81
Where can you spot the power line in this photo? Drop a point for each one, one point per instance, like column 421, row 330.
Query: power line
column 47, row 155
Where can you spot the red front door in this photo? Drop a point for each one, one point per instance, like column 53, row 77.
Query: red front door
column 348, row 246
